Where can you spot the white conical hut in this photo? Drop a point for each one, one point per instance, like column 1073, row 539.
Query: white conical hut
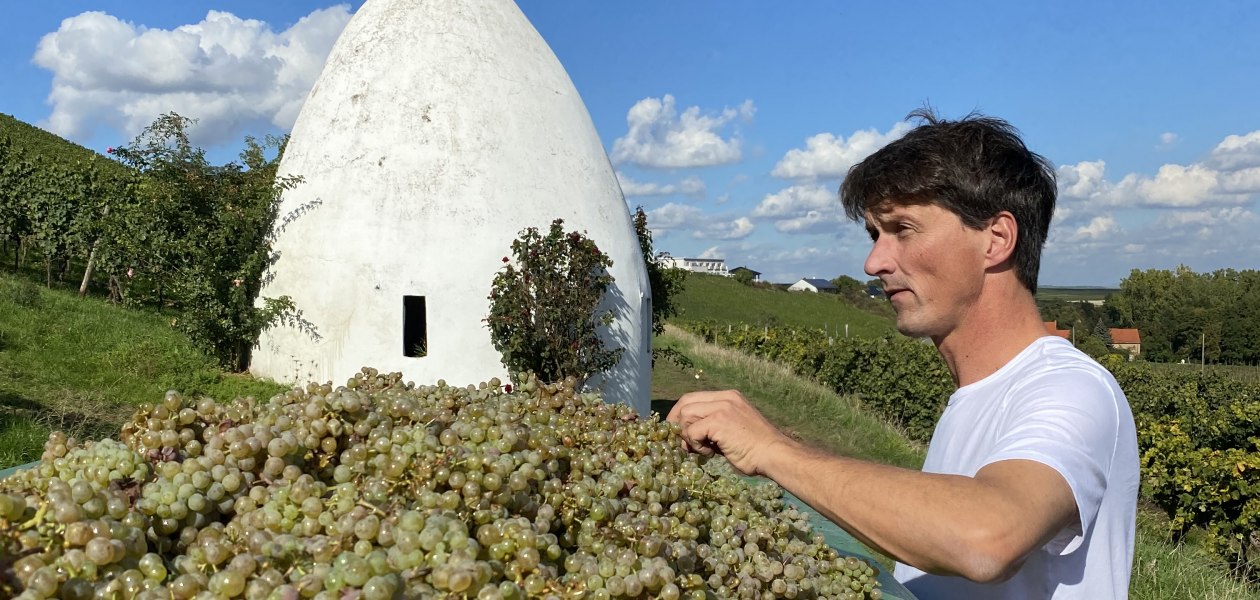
column 436, row 133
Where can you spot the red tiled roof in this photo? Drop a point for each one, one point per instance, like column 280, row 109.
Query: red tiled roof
column 1125, row 336
column 1052, row 328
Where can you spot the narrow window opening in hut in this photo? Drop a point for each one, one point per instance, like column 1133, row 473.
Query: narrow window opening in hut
column 415, row 327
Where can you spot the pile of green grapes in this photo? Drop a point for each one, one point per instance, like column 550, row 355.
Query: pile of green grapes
column 380, row 490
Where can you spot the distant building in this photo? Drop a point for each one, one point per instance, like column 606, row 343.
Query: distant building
column 874, row 291
column 1129, row 340
column 756, row 275
column 712, row 266
column 810, row 284
column 1052, row 328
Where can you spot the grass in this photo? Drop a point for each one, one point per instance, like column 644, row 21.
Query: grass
column 1162, row 570
column 1074, row 294
column 725, row 300
column 82, row 365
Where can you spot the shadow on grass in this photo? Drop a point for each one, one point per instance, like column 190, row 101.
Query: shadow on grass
column 13, row 401
column 83, row 418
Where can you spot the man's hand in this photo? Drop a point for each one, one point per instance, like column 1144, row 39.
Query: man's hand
column 725, row 423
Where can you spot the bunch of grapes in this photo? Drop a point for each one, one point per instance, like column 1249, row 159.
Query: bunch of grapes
column 380, row 490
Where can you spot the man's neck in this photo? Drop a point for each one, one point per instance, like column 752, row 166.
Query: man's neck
column 1003, row 322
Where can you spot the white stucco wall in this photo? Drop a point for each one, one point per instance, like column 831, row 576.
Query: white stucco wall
column 802, row 286
column 436, row 133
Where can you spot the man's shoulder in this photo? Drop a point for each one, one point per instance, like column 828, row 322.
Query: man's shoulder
column 1056, row 356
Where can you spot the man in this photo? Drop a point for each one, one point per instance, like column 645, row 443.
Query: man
column 1030, row 485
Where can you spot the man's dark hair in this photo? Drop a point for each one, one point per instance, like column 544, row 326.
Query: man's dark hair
column 975, row 167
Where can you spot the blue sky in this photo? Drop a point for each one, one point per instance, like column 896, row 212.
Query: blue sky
column 733, row 122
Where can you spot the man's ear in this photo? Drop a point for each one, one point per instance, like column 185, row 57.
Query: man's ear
column 1003, row 232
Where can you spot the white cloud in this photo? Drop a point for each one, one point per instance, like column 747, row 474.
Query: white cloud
column 1205, row 239
column 1236, row 152
column 1082, row 180
column 812, row 222
column 224, row 71
column 691, row 186
column 659, row 137
column 1098, row 227
column 726, row 230
column 1243, row 181
column 796, row 201
column 1173, row 186
column 829, row 156
column 1229, row 177
column 674, row 216
column 803, row 209
column 712, row 252
column 1167, row 140
column 684, row 217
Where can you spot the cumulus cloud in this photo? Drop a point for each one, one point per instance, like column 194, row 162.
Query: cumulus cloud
column 702, row 226
column 1206, row 239
column 1167, row 140
column 691, row 186
column 224, row 71
column 735, row 229
column 797, row 200
column 674, row 216
column 811, row 222
column 1236, row 152
column 712, row 252
column 660, row 137
column 802, row 209
column 828, row 156
column 1098, row 227
column 1230, row 176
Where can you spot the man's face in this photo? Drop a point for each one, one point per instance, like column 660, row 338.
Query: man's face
column 932, row 265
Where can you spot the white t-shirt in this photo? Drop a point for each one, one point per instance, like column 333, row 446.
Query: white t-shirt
column 1055, row 405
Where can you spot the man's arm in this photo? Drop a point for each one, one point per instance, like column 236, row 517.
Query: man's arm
column 981, row 527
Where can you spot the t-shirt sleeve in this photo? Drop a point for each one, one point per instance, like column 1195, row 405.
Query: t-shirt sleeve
column 1067, row 419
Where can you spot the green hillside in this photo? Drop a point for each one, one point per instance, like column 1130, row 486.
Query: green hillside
column 82, row 365
column 722, row 299
column 44, row 148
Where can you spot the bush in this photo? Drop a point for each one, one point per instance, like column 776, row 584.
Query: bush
column 544, row 315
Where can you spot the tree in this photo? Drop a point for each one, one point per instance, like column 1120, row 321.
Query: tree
column 1103, row 333
column 200, row 236
column 848, row 287
column 666, row 284
column 544, row 307
column 744, row 277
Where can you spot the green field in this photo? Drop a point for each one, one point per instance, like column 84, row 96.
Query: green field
column 721, row 299
column 1074, row 294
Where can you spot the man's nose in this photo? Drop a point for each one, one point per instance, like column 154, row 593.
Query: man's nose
column 879, row 261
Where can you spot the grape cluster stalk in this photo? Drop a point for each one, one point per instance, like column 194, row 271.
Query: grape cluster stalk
column 381, row 490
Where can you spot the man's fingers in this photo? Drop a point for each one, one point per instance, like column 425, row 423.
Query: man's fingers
column 697, row 405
